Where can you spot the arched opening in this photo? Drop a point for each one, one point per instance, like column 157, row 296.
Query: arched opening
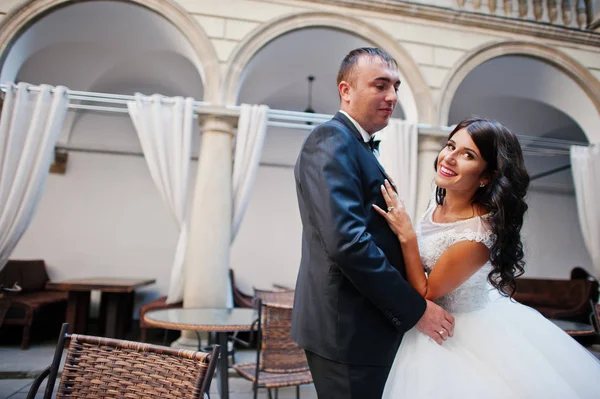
column 415, row 95
column 277, row 75
column 110, row 215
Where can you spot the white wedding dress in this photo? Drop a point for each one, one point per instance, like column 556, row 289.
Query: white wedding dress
column 500, row 348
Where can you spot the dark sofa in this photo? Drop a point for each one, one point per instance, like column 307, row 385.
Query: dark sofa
column 21, row 308
column 560, row 299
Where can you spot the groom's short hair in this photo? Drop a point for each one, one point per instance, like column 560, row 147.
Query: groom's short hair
column 347, row 67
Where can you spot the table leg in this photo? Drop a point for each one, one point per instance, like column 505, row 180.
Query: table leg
column 4, row 306
column 128, row 311
column 223, row 372
column 114, row 314
column 78, row 309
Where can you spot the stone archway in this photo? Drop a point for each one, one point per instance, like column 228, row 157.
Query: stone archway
column 23, row 16
column 583, row 79
column 421, row 109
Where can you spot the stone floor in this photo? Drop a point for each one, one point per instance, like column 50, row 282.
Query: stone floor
column 19, row 367
column 238, row 388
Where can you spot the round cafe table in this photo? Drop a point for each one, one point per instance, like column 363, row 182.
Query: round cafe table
column 219, row 321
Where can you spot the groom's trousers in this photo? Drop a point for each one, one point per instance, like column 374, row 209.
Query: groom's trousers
column 335, row 380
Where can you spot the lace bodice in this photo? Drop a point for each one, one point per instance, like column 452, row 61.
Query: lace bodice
column 435, row 238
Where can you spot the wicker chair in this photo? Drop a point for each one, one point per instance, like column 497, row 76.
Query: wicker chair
column 281, row 297
column 282, row 362
column 98, row 367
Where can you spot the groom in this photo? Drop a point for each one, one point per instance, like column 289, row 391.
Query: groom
column 353, row 303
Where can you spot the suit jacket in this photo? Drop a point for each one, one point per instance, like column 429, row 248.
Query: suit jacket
column 352, row 302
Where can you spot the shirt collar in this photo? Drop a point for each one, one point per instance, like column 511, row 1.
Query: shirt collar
column 366, row 136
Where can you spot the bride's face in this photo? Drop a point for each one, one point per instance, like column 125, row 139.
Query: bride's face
column 460, row 166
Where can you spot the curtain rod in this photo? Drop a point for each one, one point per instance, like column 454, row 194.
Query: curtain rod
column 140, row 154
column 550, row 172
column 284, row 118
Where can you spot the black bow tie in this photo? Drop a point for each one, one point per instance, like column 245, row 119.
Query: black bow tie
column 373, row 144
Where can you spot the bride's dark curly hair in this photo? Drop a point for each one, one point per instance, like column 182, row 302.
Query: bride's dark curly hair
column 503, row 197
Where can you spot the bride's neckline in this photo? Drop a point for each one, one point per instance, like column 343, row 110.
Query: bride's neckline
column 434, row 207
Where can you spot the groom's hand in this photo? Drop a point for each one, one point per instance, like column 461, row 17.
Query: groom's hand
column 437, row 323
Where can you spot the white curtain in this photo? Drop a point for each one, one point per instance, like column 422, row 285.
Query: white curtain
column 30, row 123
column 585, row 166
column 249, row 140
column 399, row 156
column 164, row 127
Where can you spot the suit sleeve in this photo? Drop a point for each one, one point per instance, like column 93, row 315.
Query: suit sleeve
column 330, row 181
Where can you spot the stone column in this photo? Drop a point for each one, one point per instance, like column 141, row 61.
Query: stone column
column 594, row 13
column 429, row 148
column 206, row 265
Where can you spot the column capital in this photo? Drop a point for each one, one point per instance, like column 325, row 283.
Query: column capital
column 217, row 124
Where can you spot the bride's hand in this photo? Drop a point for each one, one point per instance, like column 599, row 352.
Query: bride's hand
column 396, row 214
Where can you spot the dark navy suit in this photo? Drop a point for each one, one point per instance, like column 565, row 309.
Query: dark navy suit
column 353, row 303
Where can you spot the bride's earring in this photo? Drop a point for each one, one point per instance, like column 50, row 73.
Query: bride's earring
column 482, row 184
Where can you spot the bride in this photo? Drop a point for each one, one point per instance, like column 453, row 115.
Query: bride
column 465, row 250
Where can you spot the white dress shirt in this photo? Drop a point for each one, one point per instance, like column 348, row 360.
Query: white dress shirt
column 366, row 136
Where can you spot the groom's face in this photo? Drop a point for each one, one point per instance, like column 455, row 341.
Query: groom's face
column 371, row 93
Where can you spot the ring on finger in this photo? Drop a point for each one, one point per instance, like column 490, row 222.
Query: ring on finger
column 390, row 208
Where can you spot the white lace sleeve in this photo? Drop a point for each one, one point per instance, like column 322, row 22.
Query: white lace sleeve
column 480, row 234
column 436, row 238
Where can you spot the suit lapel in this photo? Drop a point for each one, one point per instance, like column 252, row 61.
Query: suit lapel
column 381, row 168
column 349, row 125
